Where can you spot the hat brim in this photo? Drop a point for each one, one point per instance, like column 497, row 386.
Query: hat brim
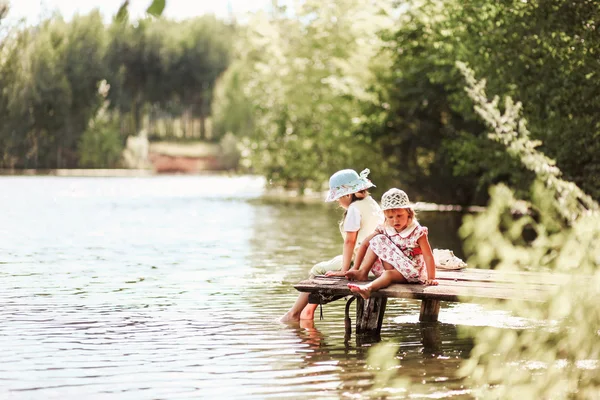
column 395, row 208
column 350, row 188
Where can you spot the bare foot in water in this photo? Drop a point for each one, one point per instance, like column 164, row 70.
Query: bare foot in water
column 356, row 275
column 290, row 317
column 363, row 290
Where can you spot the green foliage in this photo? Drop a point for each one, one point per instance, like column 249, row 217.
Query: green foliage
column 546, row 55
column 229, row 157
column 555, row 229
column 305, row 77
column 565, row 223
column 233, row 111
column 122, row 14
column 156, row 8
column 49, row 76
column 101, row 145
column 386, row 381
column 205, row 45
column 167, row 64
column 510, row 130
column 435, row 142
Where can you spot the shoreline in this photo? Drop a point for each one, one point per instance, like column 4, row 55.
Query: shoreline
column 105, row 173
column 78, row 172
column 312, row 197
column 270, row 193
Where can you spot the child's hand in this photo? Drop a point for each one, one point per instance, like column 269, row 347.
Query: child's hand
column 334, row 273
column 431, row 282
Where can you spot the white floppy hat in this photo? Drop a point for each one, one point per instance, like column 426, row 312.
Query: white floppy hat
column 394, row 198
column 347, row 181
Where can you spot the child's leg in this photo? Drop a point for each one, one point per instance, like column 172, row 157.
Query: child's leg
column 294, row 313
column 388, row 277
column 362, row 273
column 309, row 311
column 301, row 309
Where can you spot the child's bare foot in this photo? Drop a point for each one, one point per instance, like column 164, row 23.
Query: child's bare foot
column 356, row 275
column 308, row 324
column 290, row 317
column 363, row 290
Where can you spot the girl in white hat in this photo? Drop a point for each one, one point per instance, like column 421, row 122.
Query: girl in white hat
column 361, row 217
column 397, row 252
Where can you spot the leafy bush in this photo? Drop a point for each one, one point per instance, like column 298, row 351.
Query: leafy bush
column 101, row 145
column 565, row 223
column 557, row 229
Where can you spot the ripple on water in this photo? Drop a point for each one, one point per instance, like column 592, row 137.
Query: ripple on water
column 171, row 287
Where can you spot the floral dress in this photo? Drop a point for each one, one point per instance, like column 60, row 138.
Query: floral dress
column 401, row 250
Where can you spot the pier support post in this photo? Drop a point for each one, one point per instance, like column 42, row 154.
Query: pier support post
column 369, row 315
column 429, row 310
column 431, row 337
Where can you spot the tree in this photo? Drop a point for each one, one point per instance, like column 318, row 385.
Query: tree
column 306, row 78
column 555, row 228
column 135, row 63
column 50, row 90
column 203, row 54
column 565, row 223
column 541, row 52
column 545, row 54
column 426, row 130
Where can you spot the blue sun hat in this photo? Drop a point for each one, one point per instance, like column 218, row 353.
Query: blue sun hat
column 347, row 181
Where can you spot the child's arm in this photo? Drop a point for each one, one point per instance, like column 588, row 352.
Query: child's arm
column 429, row 260
column 362, row 250
column 347, row 253
column 360, row 253
column 348, row 250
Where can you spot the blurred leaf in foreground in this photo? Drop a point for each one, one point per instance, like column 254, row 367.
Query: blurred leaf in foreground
column 156, row 8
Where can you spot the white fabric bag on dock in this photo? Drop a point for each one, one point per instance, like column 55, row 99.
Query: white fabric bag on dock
column 446, row 260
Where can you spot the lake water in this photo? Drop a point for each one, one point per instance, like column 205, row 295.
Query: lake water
column 171, row 287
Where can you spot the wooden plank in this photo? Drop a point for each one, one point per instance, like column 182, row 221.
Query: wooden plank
column 488, row 275
column 482, row 275
column 446, row 291
column 469, row 281
column 499, row 285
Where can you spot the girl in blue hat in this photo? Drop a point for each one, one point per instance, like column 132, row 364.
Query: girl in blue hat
column 361, row 217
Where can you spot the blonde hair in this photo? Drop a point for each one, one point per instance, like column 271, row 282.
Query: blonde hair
column 412, row 214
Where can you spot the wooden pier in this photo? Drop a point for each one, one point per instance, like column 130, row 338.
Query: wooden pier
column 466, row 285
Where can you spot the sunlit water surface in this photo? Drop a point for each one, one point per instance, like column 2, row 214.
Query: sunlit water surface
column 171, row 287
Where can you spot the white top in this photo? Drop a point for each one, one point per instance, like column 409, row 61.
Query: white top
column 352, row 220
column 363, row 216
